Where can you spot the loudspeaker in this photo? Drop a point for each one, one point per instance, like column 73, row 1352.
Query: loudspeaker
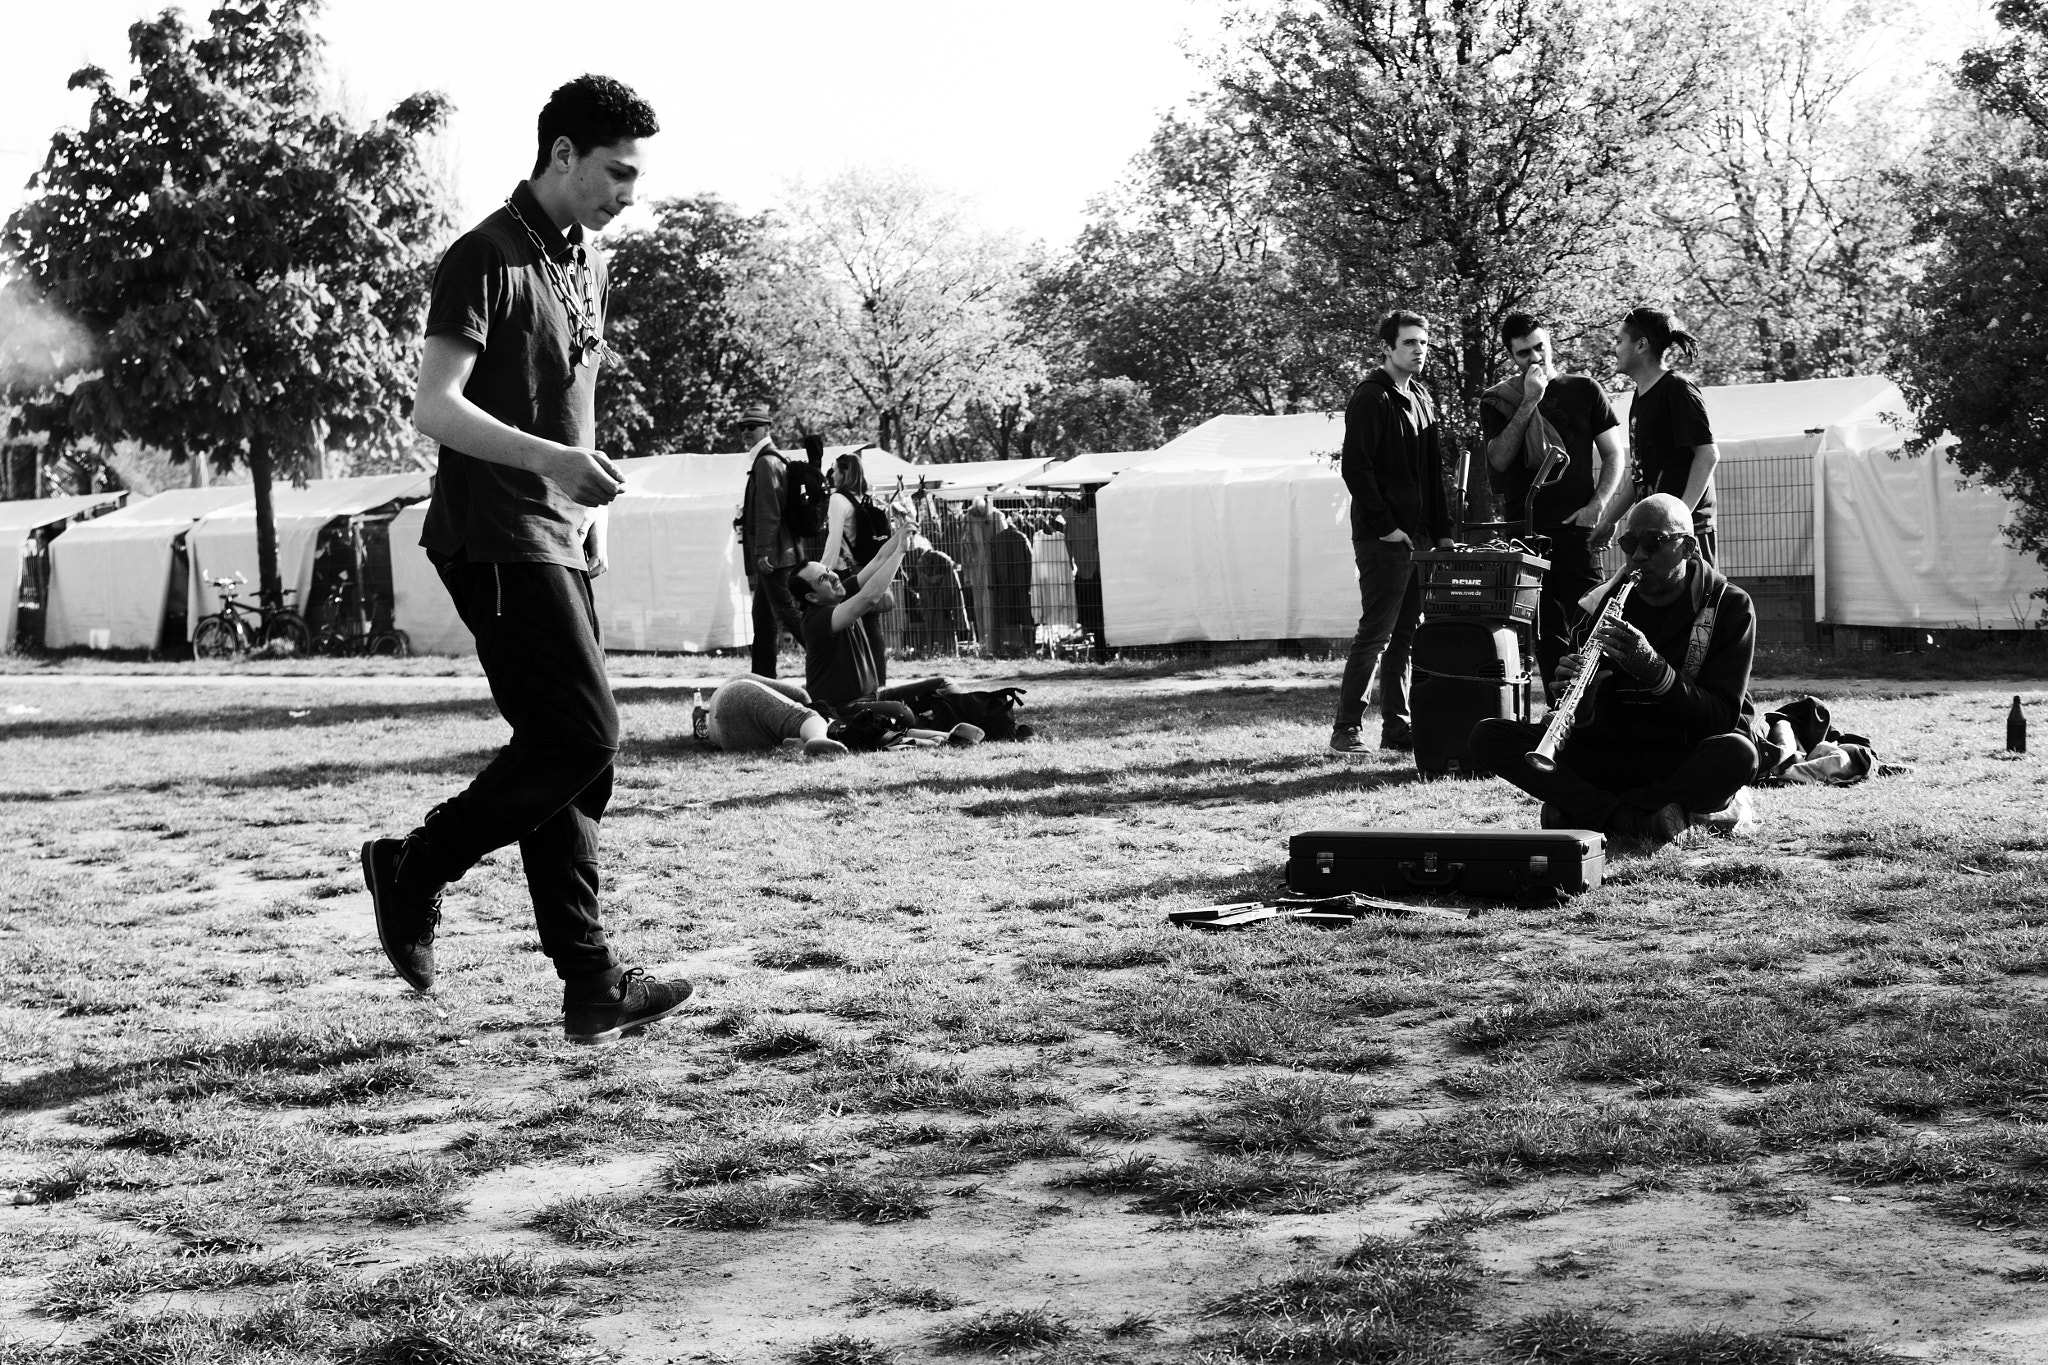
column 1466, row 671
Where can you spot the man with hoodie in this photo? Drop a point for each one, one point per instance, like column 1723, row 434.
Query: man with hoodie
column 1662, row 738
column 1393, row 465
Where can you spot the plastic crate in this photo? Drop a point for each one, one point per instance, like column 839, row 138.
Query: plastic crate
column 1500, row 585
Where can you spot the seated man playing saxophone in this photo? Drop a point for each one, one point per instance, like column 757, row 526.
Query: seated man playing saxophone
column 1661, row 735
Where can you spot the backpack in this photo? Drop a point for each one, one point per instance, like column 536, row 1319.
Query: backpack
column 804, row 499
column 991, row 712
column 871, row 530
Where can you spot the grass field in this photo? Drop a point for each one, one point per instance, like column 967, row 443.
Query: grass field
column 951, row 1088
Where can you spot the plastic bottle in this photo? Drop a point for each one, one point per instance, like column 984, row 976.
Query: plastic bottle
column 700, row 717
column 2016, row 728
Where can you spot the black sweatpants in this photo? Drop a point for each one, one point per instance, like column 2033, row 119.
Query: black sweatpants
column 536, row 636
column 775, row 610
column 1591, row 778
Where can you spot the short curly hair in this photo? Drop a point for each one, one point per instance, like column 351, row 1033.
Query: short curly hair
column 592, row 111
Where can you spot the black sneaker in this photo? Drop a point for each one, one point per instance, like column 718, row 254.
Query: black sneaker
column 1397, row 737
column 597, row 1009
column 405, row 923
column 1344, row 740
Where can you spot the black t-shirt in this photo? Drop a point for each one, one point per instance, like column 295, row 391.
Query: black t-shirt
column 493, row 288
column 1667, row 626
column 1664, row 424
column 1579, row 409
column 838, row 665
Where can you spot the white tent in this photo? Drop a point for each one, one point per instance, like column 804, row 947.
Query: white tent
column 1240, row 528
column 20, row 519
column 967, row 480
column 420, row 605
column 224, row 542
column 113, row 573
column 1082, row 470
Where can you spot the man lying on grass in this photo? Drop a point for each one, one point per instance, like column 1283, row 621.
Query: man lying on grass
column 839, row 663
column 1662, row 738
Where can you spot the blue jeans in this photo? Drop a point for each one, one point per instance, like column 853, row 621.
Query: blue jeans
column 1390, row 602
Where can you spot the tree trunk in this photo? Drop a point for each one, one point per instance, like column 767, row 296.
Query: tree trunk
column 270, row 590
column 201, row 471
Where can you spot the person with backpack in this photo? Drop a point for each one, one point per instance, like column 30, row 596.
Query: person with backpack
column 783, row 503
column 856, row 529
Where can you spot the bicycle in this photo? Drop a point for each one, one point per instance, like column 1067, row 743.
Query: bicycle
column 345, row 628
column 229, row 632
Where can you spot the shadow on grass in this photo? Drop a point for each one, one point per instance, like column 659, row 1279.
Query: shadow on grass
column 236, row 719
column 1061, row 797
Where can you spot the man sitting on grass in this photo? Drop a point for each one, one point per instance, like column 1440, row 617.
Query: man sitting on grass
column 1662, row 738
column 839, row 664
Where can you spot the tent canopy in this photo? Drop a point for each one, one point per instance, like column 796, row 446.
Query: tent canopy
column 113, row 573
column 970, row 479
column 20, row 517
column 224, row 541
column 1806, row 485
column 1082, row 470
column 32, row 514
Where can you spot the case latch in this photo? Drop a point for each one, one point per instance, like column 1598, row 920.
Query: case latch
column 1326, row 862
column 1539, row 865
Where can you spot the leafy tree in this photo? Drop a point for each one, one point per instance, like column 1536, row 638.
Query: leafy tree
column 1973, row 357
column 1184, row 282
column 250, row 267
column 895, row 312
column 1093, row 415
column 680, row 322
column 1781, row 200
column 1465, row 160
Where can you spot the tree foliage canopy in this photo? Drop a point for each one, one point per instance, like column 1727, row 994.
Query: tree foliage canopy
column 681, row 323
column 1972, row 356
column 250, row 267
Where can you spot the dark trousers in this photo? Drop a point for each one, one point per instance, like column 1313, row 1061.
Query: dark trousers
column 1390, row 602
column 774, row 612
column 1571, row 576
column 1088, row 607
column 1591, row 778
column 536, row 636
column 1705, row 536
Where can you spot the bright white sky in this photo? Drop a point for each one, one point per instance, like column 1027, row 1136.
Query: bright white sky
column 1027, row 108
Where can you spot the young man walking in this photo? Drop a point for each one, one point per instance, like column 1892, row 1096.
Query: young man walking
column 767, row 544
column 514, row 338
column 1669, row 437
column 1537, row 422
column 1393, row 465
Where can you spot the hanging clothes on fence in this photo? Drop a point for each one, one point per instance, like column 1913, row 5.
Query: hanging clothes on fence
column 1009, row 590
column 1052, row 584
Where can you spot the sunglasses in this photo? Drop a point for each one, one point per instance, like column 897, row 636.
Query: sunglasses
column 1648, row 543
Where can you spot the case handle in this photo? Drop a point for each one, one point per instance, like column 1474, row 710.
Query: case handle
column 1427, row 873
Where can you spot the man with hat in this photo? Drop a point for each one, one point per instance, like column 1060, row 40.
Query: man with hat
column 767, row 543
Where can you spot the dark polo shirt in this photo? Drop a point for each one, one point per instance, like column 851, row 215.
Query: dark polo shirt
column 491, row 288
column 1579, row 410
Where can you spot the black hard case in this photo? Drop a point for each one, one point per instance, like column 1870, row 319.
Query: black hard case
column 1466, row 671
column 1491, row 864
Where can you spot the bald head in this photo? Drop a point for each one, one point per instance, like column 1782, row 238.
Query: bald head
column 1661, row 512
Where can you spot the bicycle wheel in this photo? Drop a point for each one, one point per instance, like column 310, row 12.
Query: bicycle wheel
column 288, row 629
column 218, row 639
column 390, row 644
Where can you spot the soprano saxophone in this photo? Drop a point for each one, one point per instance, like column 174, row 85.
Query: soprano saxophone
column 1543, row 758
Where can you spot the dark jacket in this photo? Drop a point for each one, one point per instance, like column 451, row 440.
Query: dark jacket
column 1393, row 463
column 763, row 533
column 1690, row 710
